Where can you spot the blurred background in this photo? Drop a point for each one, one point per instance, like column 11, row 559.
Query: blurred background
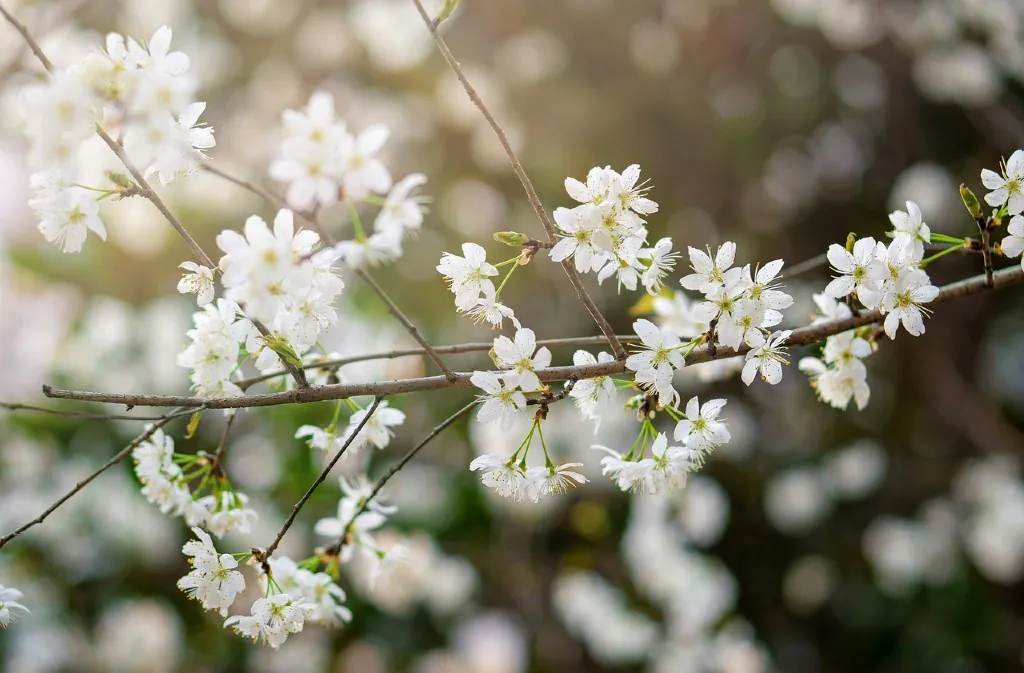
column 890, row 539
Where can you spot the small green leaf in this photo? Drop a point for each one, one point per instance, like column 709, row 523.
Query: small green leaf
column 446, row 11
column 280, row 345
column 193, row 424
column 971, row 202
column 511, row 238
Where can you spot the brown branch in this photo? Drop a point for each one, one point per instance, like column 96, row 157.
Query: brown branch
column 472, row 347
column 409, row 326
column 32, row 44
column 85, row 415
column 263, row 556
column 334, row 549
column 524, row 180
column 124, row 453
column 222, row 447
column 800, row 337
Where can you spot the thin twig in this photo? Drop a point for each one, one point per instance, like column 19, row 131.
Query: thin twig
column 822, row 260
column 222, row 446
column 409, row 326
column 334, row 549
column 472, row 347
column 800, row 337
column 87, row 416
column 32, row 44
column 524, row 180
column 85, row 482
column 263, row 556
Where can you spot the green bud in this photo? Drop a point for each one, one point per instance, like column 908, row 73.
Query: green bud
column 851, row 238
column 447, row 10
column 193, row 424
column 280, row 345
column 494, row 357
column 120, row 179
column 511, row 238
column 971, row 202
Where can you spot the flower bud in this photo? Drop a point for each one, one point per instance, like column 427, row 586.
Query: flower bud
column 511, row 238
column 971, row 202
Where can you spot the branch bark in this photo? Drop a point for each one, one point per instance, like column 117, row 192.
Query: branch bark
column 800, row 337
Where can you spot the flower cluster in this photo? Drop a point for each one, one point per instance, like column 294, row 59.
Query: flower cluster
column 272, row 619
column 839, row 375
column 214, row 347
column 377, row 431
column 743, row 304
column 355, row 525
column 145, row 93
column 166, row 484
column 889, row 278
column 323, row 163
column 214, row 580
column 699, row 431
column 606, row 233
column 469, row 279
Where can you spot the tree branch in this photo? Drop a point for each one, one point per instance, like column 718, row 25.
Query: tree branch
column 800, row 337
column 88, row 416
column 124, row 453
column 472, row 347
column 334, row 549
column 263, row 556
column 524, row 180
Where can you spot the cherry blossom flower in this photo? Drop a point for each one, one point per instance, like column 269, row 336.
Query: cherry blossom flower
column 198, row 282
column 656, row 365
column 504, row 475
column 767, row 360
column 213, row 580
column 857, row 269
column 903, row 301
column 552, row 480
column 578, row 226
column 67, row 217
column 402, row 211
column 1013, row 245
column 362, row 172
column 1007, row 189
column 272, row 619
column 519, row 357
column 467, row 276
column 501, row 404
column 661, row 261
column 710, row 273
column 700, row 429
column 910, row 226
column 9, row 597
column 629, row 475
column 592, row 395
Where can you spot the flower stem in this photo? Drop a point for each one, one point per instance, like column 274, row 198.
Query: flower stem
column 357, row 222
column 505, row 279
column 928, row 260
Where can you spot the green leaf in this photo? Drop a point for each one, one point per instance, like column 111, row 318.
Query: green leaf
column 280, row 345
column 193, row 424
column 511, row 238
column 446, row 11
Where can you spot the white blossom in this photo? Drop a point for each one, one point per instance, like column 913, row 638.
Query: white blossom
column 656, row 365
column 519, row 357
column 1007, row 189
column 767, row 360
column 9, row 597
column 501, row 404
column 199, row 281
column 213, row 580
